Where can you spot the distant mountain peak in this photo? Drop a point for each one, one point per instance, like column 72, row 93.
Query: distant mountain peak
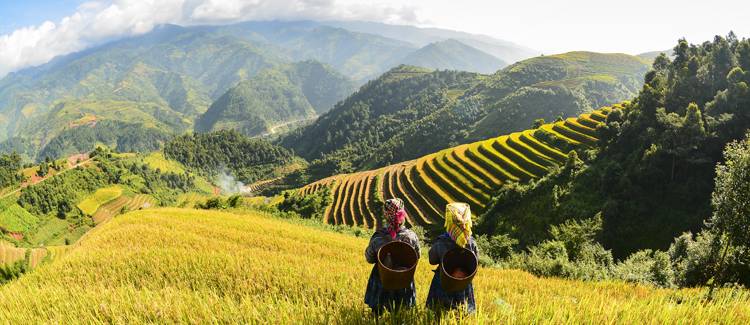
column 451, row 54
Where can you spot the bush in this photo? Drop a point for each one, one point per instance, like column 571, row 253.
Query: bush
column 496, row 248
column 308, row 206
column 646, row 266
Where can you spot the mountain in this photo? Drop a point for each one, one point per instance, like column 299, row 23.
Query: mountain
column 169, row 77
column 546, row 87
column 650, row 56
column 385, row 110
column 409, row 112
column 453, row 55
column 360, row 56
column 292, row 93
column 503, row 50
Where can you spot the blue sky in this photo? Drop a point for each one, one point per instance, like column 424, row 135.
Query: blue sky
column 16, row 14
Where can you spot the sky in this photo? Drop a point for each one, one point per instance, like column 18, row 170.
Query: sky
column 32, row 32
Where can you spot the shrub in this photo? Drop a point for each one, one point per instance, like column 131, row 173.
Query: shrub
column 646, row 266
column 496, row 248
column 312, row 205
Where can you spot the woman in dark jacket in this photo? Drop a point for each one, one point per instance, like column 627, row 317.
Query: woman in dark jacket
column 458, row 234
column 376, row 296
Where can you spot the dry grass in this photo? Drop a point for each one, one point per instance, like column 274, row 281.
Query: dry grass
column 190, row 266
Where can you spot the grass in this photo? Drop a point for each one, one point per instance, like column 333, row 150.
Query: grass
column 190, row 266
column 14, row 218
column 156, row 160
column 103, row 195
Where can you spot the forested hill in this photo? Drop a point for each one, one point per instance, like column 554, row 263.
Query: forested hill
column 653, row 173
column 410, row 112
column 546, row 87
column 228, row 151
column 383, row 111
column 296, row 92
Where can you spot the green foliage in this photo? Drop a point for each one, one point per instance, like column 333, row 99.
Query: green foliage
column 247, row 159
column 59, row 195
column 14, row 218
column 308, row 206
column 646, row 266
column 10, row 170
column 214, row 203
column 10, row 272
column 276, row 96
column 731, row 217
column 576, row 234
column 122, row 136
column 731, row 196
column 409, row 112
column 651, row 175
column 496, row 247
column 387, row 120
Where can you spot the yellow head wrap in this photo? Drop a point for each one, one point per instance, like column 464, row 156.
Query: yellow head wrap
column 458, row 222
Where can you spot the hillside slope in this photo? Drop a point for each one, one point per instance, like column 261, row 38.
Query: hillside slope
column 453, row 55
column 180, row 265
column 409, row 112
column 468, row 173
column 296, row 92
column 556, row 85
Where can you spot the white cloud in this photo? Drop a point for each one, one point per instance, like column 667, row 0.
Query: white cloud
column 100, row 20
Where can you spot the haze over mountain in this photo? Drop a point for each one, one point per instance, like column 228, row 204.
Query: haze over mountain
column 421, row 36
column 453, row 55
column 172, row 75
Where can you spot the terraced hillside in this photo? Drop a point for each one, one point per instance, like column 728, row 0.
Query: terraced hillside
column 467, row 173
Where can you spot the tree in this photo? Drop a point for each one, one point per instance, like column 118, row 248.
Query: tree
column 731, row 202
column 43, row 169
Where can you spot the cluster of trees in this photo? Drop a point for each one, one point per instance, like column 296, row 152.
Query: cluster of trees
column 10, row 170
column 58, row 195
column 215, row 203
column 122, row 136
column 310, row 206
column 248, row 159
column 47, row 164
column 652, row 178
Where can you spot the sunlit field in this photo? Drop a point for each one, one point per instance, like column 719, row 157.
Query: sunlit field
column 181, row 265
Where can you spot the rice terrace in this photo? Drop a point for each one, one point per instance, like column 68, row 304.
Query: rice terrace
column 354, row 162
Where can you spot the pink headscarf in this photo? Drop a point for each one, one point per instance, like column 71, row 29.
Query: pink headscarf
column 395, row 215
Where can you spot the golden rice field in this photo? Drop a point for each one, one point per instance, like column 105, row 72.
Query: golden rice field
column 189, row 266
column 10, row 254
column 467, row 173
column 102, row 196
column 156, row 160
column 116, row 206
